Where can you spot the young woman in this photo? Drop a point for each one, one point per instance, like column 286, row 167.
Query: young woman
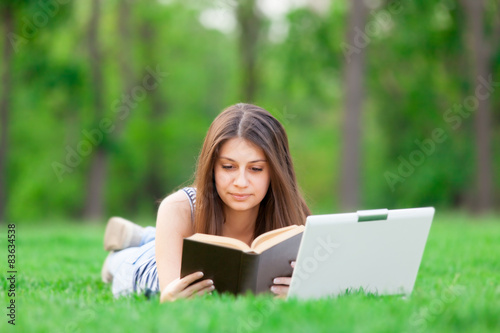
column 244, row 185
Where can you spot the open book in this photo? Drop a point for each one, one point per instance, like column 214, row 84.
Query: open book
column 236, row 267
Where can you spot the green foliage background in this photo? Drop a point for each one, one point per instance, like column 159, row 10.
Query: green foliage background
column 415, row 72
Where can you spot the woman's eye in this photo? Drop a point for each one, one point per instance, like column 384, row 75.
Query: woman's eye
column 227, row 166
column 257, row 169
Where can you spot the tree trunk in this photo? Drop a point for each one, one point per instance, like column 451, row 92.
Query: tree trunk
column 351, row 134
column 128, row 78
column 8, row 27
column 249, row 23
column 154, row 186
column 480, row 57
column 125, row 55
column 97, row 176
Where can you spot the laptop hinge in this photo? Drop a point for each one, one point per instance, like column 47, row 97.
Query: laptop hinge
column 372, row 215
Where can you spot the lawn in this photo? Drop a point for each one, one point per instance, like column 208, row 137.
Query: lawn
column 59, row 290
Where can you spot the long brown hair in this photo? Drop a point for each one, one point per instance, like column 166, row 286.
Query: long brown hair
column 283, row 205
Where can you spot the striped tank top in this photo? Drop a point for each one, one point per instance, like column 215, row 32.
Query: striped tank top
column 145, row 278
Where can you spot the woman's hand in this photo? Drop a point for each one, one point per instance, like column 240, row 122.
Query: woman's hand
column 180, row 288
column 282, row 284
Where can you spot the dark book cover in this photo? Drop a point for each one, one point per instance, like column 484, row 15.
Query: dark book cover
column 236, row 271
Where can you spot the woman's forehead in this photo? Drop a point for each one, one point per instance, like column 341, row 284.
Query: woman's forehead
column 239, row 149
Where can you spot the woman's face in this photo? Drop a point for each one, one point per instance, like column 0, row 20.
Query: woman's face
column 242, row 175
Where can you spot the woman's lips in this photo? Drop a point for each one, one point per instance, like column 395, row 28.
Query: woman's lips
column 240, row 196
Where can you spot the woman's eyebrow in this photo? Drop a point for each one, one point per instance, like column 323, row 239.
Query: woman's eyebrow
column 230, row 159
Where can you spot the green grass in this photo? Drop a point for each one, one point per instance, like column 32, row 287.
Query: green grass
column 59, row 290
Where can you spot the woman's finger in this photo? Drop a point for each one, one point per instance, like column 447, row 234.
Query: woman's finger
column 202, row 286
column 281, row 286
column 188, row 279
column 280, row 290
column 206, row 290
column 175, row 289
column 282, row 280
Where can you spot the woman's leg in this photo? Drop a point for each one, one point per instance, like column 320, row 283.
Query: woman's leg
column 124, row 239
column 121, row 234
column 121, row 266
column 148, row 235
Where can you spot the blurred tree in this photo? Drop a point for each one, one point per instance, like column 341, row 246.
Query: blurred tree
column 304, row 78
column 481, row 48
column 413, row 85
column 125, row 56
column 7, row 15
column 96, row 182
column 354, row 52
column 250, row 23
column 153, row 184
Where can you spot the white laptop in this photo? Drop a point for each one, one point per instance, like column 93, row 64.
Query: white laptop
column 376, row 251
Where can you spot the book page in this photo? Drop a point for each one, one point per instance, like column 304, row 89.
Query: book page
column 260, row 244
column 221, row 241
column 273, row 237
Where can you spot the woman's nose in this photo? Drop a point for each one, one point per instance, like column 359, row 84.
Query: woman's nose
column 241, row 179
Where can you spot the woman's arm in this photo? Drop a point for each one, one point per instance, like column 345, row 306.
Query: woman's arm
column 173, row 224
